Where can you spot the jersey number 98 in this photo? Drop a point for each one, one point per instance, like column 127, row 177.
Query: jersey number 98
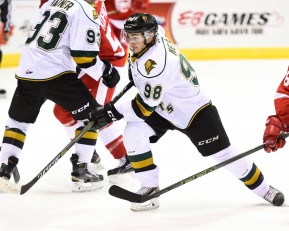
column 152, row 92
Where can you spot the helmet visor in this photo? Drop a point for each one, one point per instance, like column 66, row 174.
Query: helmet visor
column 135, row 37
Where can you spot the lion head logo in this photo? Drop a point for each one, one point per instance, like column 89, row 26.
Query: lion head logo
column 149, row 65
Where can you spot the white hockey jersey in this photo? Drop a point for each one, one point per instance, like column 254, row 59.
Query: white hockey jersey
column 166, row 83
column 66, row 33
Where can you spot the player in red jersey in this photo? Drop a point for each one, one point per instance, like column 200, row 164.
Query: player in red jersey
column 111, row 50
column 120, row 10
column 278, row 123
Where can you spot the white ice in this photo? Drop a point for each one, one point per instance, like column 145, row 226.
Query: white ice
column 242, row 90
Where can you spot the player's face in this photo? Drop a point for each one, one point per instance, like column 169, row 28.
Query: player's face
column 136, row 42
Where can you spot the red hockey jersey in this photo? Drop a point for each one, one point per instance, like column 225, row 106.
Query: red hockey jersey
column 282, row 100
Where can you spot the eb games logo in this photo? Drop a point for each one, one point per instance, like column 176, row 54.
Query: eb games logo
column 229, row 19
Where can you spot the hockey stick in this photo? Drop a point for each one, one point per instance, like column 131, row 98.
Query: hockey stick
column 6, row 186
column 124, row 194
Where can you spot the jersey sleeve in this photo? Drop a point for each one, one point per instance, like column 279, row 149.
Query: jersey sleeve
column 84, row 43
column 282, row 100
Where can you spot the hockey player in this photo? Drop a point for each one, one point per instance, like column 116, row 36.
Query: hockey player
column 170, row 98
column 110, row 50
column 67, row 34
column 278, row 123
column 5, row 10
column 120, row 10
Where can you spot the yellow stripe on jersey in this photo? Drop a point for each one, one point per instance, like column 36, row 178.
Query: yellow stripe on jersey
column 254, row 178
column 142, row 164
column 88, row 135
column 143, row 110
column 82, row 60
column 15, row 135
column 142, row 161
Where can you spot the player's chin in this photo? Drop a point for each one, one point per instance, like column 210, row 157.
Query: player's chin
column 135, row 50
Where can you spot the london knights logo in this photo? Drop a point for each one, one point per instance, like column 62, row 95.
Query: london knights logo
column 149, row 65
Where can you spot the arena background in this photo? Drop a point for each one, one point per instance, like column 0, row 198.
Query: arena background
column 202, row 29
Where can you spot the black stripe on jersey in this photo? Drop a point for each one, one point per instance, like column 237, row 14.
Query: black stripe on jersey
column 14, row 136
column 141, row 109
column 84, row 59
column 86, row 54
column 254, row 178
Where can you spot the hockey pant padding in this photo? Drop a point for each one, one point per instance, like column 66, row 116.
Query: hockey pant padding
column 14, row 138
column 244, row 169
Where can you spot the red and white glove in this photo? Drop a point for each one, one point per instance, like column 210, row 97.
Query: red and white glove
column 270, row 138
column 140, row 4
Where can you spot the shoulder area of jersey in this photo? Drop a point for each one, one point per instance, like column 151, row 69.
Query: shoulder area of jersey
column 161, row 31
column 153, row 62
column 73, row 6
column 89, row 8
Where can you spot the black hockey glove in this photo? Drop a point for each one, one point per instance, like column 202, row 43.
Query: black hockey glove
column 104, row 115
column 110, row 76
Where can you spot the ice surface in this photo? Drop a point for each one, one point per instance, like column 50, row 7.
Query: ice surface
column 242, row 90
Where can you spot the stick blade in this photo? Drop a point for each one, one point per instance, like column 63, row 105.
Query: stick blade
column 124, row 194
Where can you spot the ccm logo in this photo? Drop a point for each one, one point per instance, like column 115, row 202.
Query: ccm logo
column 111, row 115
column 80, row 109
column 208, row 140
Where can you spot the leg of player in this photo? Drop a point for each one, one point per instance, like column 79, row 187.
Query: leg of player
column 13, row 142
column 113, row 141
column 221, row 150
column 82, row 176
column 110, row 135
column 252, row 177
column 137, row 144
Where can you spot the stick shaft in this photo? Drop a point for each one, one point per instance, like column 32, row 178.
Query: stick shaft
column 27, row 186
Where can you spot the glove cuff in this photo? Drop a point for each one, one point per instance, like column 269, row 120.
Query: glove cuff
column 112, row 112
column 274, row 120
